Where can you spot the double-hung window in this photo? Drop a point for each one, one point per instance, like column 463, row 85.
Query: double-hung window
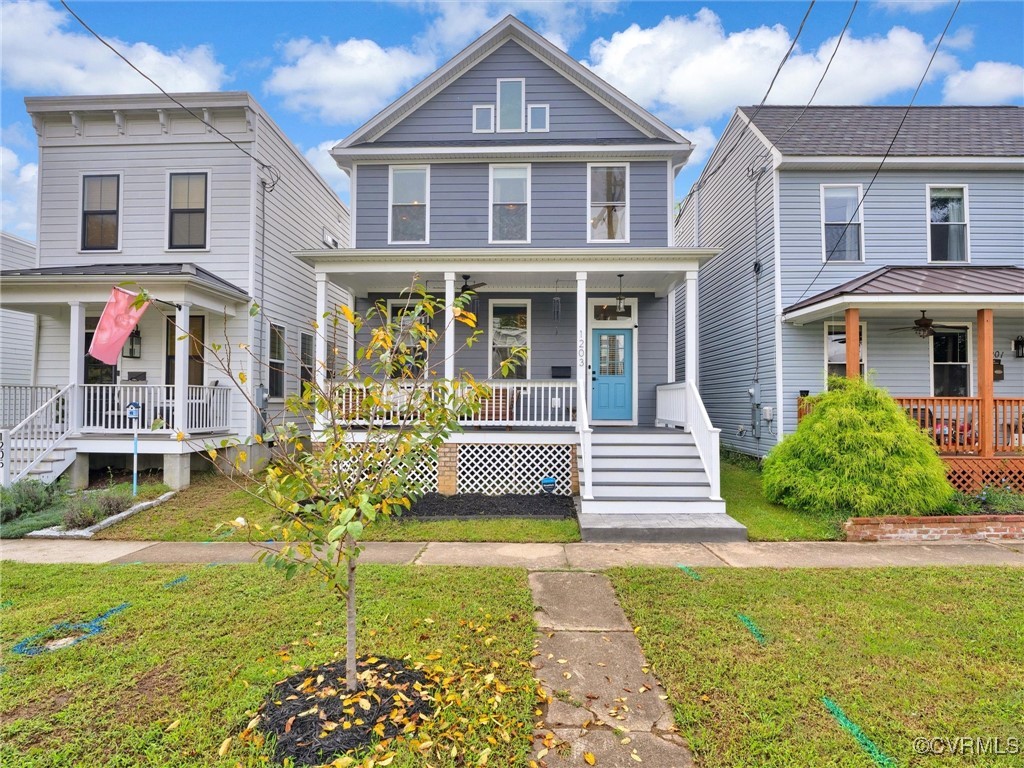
column 947, row 223
column 409, row 206
column 509, row 330
column 835, row 350
column 608, row 187
column 511, row 105
column 951, row 362
column 188, row 219
column 101, row 212
column 842, row 231
column 510, row 204
column 307, row 358
column 275, row 360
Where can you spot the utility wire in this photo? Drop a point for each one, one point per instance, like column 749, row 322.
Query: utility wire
column 275, row 176
column 906, row 113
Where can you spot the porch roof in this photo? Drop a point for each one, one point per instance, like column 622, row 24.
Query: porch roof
column 645, row 270
column 30, row 290
column 951, row 286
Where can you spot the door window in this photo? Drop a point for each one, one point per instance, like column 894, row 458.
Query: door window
column 611, row 355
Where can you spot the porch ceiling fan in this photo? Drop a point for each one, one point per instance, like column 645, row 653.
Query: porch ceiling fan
column 467, row 287
column 924, row 326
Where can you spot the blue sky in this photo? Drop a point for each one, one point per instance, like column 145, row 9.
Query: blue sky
column 321, row 69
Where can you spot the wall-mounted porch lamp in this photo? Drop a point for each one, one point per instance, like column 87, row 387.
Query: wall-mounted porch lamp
column 133, row 347
column 1018, row 346
column 620, row 300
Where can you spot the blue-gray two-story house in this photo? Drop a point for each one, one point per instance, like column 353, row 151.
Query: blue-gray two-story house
column 515, row 172
column 907, row 225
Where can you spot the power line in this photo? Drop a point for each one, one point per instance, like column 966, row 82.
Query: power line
column 275, row 176
column 906, row 113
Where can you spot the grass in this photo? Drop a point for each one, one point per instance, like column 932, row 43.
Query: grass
column 205, row 652
column 745, row 501
column 194, row 513
column 906, row 653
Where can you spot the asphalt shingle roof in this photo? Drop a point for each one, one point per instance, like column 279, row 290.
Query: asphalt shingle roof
column 867, row 131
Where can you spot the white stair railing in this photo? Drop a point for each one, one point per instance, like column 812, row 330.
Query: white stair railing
column 679, row 405
column 28, row 443
column 586, row 445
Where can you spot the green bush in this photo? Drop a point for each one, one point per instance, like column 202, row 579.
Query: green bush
column 857, row 453
column 25, row 497
column 87, row 509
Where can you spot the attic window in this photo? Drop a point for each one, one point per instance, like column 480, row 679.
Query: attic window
column 511, row 105
column 483, row 118
column 537, row 118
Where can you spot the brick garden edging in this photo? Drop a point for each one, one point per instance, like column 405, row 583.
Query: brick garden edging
column 944, row 528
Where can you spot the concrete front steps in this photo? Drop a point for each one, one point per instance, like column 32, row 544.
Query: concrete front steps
column 651, row 486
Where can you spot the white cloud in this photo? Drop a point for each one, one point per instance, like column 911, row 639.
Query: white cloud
column 913, row 6
column 691, row 70
column 987, row 82
column 320, row 157
column 41, row 55
column 344, row 82
column 18, row 204
column 703, row 140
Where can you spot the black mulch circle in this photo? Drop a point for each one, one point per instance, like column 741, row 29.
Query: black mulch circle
column 308, row 712
column 480, row 505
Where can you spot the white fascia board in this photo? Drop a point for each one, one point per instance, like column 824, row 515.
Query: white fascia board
column 26, row 290
column 801, row 162
column 142, row 101
column 346, row 157
column 918, row 301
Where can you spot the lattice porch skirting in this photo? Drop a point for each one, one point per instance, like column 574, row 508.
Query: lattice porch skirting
column 498, row 468
column 972, row 473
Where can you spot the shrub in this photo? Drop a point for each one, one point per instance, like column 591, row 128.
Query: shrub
column 858, row 453
column 87, row 509
column 112, row 502
column 25, row 497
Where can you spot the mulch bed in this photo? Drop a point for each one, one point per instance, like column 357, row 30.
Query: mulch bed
column 314, row 719
column 460, row 505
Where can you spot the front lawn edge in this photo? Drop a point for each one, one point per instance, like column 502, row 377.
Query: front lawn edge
column 58, row 532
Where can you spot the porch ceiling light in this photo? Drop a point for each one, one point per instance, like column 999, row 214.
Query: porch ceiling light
column 924, row 332
column 620, row 300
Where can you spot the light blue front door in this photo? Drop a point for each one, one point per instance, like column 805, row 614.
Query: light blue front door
column 612, row 375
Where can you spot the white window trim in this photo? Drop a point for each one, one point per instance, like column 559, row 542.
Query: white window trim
column 860, row 221
column 497, row 106
column 391, row 188
column 283, row 361
column 488, row 107
column 303, row 335
column 832, row 324
column 928, row 221
column 632, row 323
column 590, row 203
column 971, row 375
column 528, row 303
column 490, row 202
column 81, row 210
column 547, row 118
column 167, row 210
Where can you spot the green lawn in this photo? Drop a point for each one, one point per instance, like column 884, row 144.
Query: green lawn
column 54, row 514
column 205, row 652
column 744, row 500
column 212, row 499
column 905, row 653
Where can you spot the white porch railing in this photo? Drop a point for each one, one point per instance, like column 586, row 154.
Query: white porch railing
column 207, row 409
column 679, row 405
column 17, row 402
column 27, row 443
column 105, row 408
column 586, row 448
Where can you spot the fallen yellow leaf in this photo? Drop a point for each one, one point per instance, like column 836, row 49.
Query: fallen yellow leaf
column 589, row 758
column 224, row 747
column 172, row 726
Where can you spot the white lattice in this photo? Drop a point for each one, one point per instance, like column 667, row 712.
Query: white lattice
column 495, row 469
column 424, row 473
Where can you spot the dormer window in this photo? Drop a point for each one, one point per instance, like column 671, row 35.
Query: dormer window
column 511, row 105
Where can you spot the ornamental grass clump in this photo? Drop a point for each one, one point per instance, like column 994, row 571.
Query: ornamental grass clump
column 857, row 453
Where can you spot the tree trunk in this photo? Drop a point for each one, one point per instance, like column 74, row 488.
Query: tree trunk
column 351, row 680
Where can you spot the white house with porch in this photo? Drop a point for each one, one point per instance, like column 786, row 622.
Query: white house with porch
column 515, row 172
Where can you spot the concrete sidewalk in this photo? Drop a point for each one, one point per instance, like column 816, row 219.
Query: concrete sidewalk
column 548, row 557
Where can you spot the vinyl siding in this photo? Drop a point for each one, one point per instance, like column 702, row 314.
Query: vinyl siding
column 574, row 115
column 459, row 215
column 17, row 329
column 731, row 302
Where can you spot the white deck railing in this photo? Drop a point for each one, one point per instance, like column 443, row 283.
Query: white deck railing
column 27, row 443
column 586, row 447
column 17, row 402
column 105, row 408
column 679, row 405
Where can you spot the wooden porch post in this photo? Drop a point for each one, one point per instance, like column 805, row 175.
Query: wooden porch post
column 449, row 325
column 986, row 423
column 182, row 347
column 852, row 343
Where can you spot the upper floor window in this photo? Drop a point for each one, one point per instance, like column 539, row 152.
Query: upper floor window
column 188, row 218
column 537, row 118
column 843, row 235
column 511, row 105
column 101, row 209
column 510, row 204
column 947, row 223
column 409, row 207
column 608, row 192
column 483, row 118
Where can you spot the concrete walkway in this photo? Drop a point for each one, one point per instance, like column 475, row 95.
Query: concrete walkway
column 540, row 557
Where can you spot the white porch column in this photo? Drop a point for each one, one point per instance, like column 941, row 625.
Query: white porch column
column 324, row 326
column 449, row 325
column 582, row 380
column 76, row 363
column 182, row 343
column 671, row 352
column 690, row 363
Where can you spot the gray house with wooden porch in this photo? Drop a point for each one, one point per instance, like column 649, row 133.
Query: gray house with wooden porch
column 517, row 173
column 856, row 242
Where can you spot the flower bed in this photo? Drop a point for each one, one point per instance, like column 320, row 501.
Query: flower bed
column 935, row 528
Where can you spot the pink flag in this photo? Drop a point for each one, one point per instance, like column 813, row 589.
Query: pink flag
column 116, row 323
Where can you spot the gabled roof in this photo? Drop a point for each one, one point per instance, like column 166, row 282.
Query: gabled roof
column 867, row 131
column 510, row 28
